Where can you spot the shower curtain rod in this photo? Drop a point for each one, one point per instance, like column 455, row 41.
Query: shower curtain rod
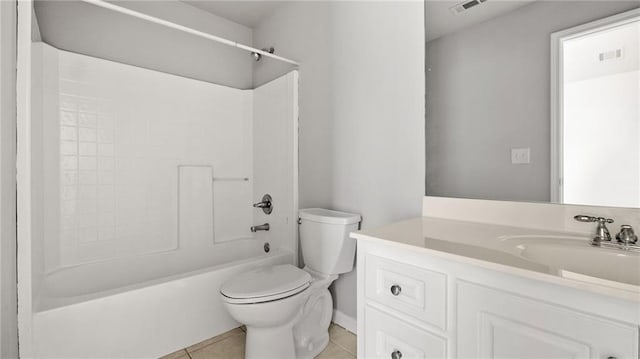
column 175, row 26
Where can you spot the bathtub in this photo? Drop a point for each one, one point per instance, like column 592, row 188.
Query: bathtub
column 142, row 306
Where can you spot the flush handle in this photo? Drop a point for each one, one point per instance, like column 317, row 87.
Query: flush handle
column 396, row 290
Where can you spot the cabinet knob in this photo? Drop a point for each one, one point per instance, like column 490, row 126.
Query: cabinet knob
column 396, row 354
column 395, row 290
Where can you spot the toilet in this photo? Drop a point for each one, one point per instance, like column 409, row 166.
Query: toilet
column 287, row 310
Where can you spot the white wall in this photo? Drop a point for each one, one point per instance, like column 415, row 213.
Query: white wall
column 488, row 91
column 361, row 108
column 300, row 31
column 83, row 28
column 8, row 304
column 110, row 140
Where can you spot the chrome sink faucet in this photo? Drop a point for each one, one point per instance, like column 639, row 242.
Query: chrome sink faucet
column 602, row 232
column 626, row 239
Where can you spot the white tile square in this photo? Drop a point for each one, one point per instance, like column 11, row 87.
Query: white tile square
column 68, row 178
column 69, row 163
column 105, row 163
column 68, row 118
column 68, row 148
column 106, row 233
column 105, row 149
column 68, row 193
column 106, row 205
column 105, row 121
column 87, row 177
column 106, row 177
column 68, row 207
column 68, row 222
column 106, row 191
column 87, row 163
column 68, row 103
column 105, row 135
column 87, row 206
column 87, row 192
column 87, row 220
column 87, row 235
column 86, row 119
column 88, row 148
column 87, row 134
column 68, row 133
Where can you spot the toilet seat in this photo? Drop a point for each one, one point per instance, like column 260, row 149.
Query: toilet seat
column 265, row 284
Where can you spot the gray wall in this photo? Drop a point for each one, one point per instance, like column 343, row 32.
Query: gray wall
column 8, row 303
column 83, row 28
column 488, row 92
column 361, row 108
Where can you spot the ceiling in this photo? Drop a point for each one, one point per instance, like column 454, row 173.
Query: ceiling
column 247, row 13
column 441, row 21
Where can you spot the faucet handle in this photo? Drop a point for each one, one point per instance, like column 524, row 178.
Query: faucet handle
column 585, row 218
column 626, row 235
column 602, row 232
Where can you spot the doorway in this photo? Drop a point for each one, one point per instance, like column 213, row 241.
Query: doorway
column 595, row 119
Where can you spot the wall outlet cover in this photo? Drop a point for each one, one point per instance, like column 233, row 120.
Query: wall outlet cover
column 520, row 156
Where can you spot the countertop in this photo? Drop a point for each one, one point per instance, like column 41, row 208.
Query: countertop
column 500, row 248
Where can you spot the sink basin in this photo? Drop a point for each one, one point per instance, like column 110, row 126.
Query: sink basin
column 577, row 256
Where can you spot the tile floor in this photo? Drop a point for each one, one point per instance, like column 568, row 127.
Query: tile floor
column 230, row 345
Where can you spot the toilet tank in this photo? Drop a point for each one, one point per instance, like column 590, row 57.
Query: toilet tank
column 325, row 242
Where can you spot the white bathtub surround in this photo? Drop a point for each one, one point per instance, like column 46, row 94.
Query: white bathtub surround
column 120, row 133
column 287, row 310
column 142, row 193
column 462, row 282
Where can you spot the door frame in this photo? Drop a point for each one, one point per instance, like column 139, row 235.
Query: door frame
column 557, row 90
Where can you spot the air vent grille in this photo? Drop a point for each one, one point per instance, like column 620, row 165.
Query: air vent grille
column 610, row 55
column 464, row 6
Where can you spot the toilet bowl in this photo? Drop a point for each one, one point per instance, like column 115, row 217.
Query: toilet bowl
column 287, row 310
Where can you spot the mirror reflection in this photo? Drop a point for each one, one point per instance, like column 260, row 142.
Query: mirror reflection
column 534, row 101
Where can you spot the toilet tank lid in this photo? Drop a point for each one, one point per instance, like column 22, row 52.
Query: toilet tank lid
column 328, row 216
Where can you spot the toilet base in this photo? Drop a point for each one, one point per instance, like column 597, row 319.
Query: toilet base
column 269, row 343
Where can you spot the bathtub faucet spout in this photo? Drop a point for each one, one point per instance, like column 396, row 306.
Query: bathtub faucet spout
column 262, row 227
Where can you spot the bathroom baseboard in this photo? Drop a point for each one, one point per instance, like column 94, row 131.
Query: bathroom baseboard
column 345, row 321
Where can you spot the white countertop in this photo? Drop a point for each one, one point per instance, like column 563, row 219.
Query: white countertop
column 500, row 248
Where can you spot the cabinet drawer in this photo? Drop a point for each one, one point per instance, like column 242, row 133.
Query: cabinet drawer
column 385, row 334
column 411, row 290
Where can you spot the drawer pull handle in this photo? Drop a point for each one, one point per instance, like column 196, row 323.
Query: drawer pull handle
column 396, row 354
column 395, row 290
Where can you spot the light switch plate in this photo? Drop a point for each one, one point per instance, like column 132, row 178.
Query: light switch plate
column 520, row 156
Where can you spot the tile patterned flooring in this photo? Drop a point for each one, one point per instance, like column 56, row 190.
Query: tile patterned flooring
column 230, row 345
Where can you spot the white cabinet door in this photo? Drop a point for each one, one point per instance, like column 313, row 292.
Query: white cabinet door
column 500, row 325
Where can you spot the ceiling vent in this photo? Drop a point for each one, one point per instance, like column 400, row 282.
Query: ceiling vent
column 464, row 6
column 610, row 55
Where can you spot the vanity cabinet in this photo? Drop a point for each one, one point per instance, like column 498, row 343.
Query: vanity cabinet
column 497, row 324
column 415, row 304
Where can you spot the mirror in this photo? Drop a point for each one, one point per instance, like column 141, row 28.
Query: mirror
column 534, row 101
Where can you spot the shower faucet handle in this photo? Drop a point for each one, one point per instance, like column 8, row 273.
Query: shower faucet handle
column 266, row 204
